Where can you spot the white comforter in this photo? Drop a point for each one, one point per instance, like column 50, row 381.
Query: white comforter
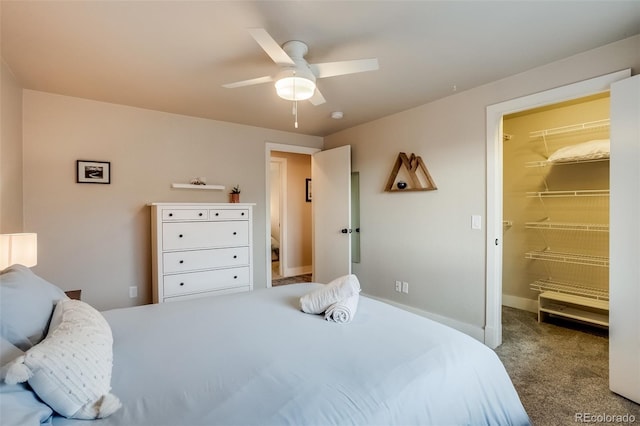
column 255, row 359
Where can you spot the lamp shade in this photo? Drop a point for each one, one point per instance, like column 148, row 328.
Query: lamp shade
column 295, row 88
column 18, row 249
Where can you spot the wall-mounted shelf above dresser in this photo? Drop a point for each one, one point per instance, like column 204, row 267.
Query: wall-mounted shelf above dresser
column 191, row 186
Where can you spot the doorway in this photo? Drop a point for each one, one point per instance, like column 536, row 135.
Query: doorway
column 291, row 224
column 495, row 140
column 288, row 218
column 556, row 210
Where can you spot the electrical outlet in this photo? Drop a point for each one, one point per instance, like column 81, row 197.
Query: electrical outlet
column 405, row 287
column 398, row 286
column 133, row 291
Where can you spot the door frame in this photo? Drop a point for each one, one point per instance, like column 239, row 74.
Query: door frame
column 494, row 116
column 281, row 147
column 282, row 212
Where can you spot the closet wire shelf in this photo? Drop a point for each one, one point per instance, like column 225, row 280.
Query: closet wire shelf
column 549, row 284
column 575, row 259
column 561, row 226
column 545, row 163
column 590, row 125
column 579, row 193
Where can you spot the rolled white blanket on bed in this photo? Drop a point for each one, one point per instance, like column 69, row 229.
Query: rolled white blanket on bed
column 343, row 311
column 337, row 290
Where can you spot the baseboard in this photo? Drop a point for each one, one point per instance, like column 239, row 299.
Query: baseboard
column 468, row 329
column 520, row 303
column 298, row 270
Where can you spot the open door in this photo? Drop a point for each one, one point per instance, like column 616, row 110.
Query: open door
column 624, row 240
column 331, row 199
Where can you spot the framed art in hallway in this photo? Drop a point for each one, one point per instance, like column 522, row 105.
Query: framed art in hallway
column 308, row 190
column 93, row 171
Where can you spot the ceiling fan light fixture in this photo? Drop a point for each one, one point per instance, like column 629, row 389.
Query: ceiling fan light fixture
column 295, row 88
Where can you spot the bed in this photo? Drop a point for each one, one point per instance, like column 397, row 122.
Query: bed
column 256, row 359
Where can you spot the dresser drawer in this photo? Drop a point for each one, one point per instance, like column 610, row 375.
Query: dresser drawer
column 197, row 282
column 179, row 261
column 216, row 292
column 184, row 214
column 223, row 214
column 196, row 235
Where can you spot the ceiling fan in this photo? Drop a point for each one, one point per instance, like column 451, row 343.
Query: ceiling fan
column 296, row 80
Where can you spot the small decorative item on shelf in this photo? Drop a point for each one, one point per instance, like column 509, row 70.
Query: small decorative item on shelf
column 401, row 185
column 198, row 181
column 234, row 195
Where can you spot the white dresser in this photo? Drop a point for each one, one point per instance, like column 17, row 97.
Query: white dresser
column 201, row 249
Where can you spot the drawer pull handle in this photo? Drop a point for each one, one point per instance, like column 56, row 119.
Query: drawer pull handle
column 181, row 284
column 242, row 214
column 170, row 214
column 182, row 261
column 200, row 214
column 235, row 256
column 235, row 277
column 235, row 233
column 180, row 236
column 217, row 214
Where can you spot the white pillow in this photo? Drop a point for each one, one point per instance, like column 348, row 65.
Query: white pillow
column 591, row 150
column 70, row 370
column 26, row 304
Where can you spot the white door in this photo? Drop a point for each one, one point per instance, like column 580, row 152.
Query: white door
column 331, row 199
column 624, row 240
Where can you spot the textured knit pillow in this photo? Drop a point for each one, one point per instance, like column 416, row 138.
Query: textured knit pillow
column 70, row 369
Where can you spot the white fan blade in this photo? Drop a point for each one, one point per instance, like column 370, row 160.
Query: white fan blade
column 251, row 82
column 317, row 98
column 270, row 46
column 330, row 69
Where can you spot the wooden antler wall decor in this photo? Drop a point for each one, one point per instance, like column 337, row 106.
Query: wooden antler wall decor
column 415, row 170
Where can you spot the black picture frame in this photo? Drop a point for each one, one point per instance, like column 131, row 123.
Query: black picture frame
column 88, row 171
column 308, row 190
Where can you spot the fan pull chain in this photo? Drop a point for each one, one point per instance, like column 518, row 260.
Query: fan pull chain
column 295, row 103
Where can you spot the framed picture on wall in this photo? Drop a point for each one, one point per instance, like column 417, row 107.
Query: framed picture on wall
column 308, row 191
column 93, row 171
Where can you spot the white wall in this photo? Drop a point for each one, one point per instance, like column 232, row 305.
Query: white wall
column 97, row 237
column 10, row 152
column 425, row 238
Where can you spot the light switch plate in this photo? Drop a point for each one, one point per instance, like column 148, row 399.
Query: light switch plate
column 476, row 221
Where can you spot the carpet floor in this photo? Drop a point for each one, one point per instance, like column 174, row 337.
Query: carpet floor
column 306, row 278
column 560, row 370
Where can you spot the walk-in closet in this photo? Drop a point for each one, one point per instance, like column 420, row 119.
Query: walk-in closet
column 556, row 210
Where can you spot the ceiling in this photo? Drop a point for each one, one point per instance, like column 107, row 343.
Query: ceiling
column 174, row 56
